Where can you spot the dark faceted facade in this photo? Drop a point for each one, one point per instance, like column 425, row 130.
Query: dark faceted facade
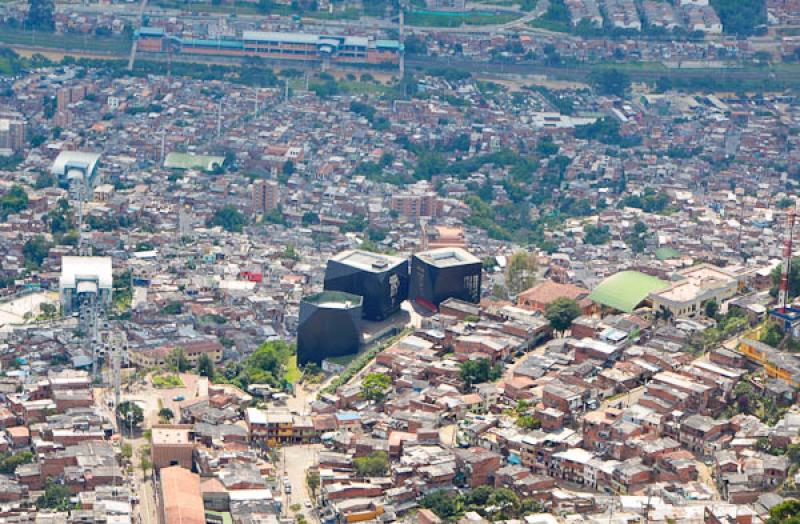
column 381, row 281
column 435, row 280
column 330, row 326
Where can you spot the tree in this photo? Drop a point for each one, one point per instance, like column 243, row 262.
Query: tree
column 375, row 386
column 35, row 251
column 205, row 366
column 48, row 310
column 127, row 451
column 129, row 414
column 56, row 496
column 740, row 17
column 445, row 503
column 177, row 360
column 9, row 462
column 637, row 238
column 374, row 465
column 794, row 279
column 312, row 481
column 596, row 235
column 266, row 365
column 772, row 334
column 14, row 201
column 229, row 218
column 711, row 308
column 40, row 15
column 611, row 82
column 478, row 371
column 145, row 464
column 503, row 504
column 166, row 414
column 288, row 168
column 173, row 308
column 309, row 218
column 561, row 312
column 521, row 272
column 416, row 45
column 44, row 180
column 787, row 512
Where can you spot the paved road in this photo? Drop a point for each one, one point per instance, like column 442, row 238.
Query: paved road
column 145, row 512
column 294, row 463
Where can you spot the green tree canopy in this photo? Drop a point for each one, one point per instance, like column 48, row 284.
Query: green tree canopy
column 376, row 464
column 375, row 386
column 35, row 251
column 521, row 272
column 740, row 17
column 611, row 82
column 596, row 235
column 229, row 218
column 9, row 462
column 205, row 366
column 561, row 312
column 711, row 308
column 56, row 496
column 794, row 279
column 40, row 15
column 14, row 201
column 130, row 414
column 478, row 371
column 166, row 414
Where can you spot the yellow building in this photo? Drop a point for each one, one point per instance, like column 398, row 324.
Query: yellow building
column 777, row 364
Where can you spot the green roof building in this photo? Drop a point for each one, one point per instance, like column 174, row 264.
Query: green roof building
column 626, row 290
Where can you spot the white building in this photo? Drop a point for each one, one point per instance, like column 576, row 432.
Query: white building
column 82, row 276
column 697, row 285
column 78, row 169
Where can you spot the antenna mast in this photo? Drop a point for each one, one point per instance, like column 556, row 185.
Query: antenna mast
column 783, row 294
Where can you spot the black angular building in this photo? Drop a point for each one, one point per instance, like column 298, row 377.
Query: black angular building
column 381, row 280
column 439, row 274
column 330, row 326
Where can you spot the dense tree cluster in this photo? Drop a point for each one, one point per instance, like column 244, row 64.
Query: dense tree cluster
column 266, row 365
column 229, row 218
column 741, row 17
column 14, row 201
column 479, row 371
column 376, row 464
column 40, row 15
column 494, row 504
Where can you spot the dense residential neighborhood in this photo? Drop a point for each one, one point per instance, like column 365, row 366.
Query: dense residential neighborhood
column 430, row 262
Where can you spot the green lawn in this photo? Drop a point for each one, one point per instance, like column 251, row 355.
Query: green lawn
column 430, row 19
column 72, row 42
column 293, row 373
column 344, row 360
column 167, row 381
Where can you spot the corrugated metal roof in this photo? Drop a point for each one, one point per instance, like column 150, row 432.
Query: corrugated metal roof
column 202, row 42
column 290, row 38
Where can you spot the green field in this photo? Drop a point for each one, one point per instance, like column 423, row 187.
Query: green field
column 65, row 42
column 433, row 19
column 293, row 373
